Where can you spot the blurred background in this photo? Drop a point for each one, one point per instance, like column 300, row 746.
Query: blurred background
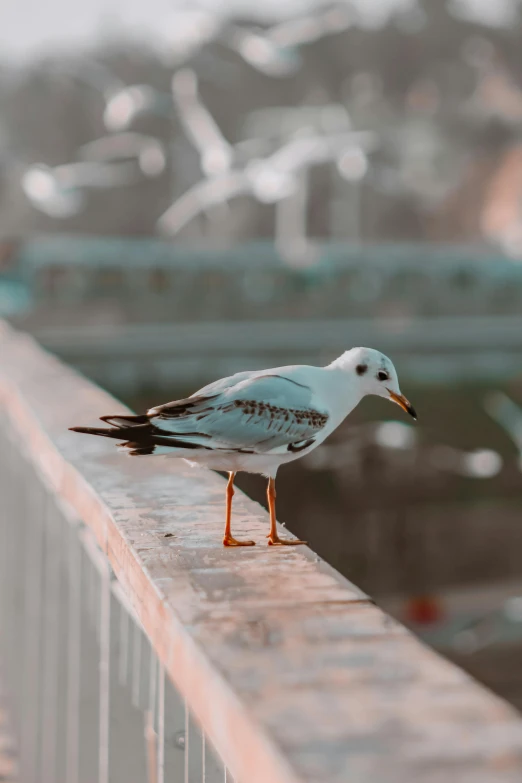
column 189, row 189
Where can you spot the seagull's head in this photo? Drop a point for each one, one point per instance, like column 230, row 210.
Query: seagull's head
column 373, row 373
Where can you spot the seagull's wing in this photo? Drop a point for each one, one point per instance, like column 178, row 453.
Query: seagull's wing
column 224, row 384
column 249, row 412
column 204, row 194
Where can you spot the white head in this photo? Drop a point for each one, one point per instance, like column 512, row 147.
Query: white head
column 373, row 373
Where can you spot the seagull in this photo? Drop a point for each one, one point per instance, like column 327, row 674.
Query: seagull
column 255, row 421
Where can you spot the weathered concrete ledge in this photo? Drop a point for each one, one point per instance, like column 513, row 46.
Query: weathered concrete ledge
column 290, row 669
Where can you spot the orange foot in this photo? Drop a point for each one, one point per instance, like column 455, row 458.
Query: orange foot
column 276, row 541
column 229, row 541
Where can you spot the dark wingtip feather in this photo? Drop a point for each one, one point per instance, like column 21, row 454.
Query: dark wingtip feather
column 106, row 433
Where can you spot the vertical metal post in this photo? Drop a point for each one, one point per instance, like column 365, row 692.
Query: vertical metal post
column 8, row 554
column 161, row 723
column 136, row 666
column 93, row 576
column 124, row 645
column 29, row 756
column 89, row 592
column 152, row 684
column 203, row 757
column 51, row 620
column 8, row 490
column 105, row 633
column 187, row 744
column 22, row 523
column 73, row 657
column 150, row 734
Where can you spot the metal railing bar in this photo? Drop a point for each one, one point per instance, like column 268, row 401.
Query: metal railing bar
column 91, row 593
column 18, row 558
column 203, row 757
column 136, row 666
column 151, row 747
column 124, row 646
column 73, row 657
column 32, row 642
column 151, row 738
column 8, row 547
column 104, row 679
column 161, row 723
column 186, row 745
column 153, row 681
column 51, row 620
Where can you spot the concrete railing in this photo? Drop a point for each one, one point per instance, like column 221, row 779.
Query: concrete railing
column 288, row 669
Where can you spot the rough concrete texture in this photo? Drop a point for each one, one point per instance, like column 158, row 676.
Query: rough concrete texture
column 290, row 669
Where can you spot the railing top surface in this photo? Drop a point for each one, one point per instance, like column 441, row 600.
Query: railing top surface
column 290, row 669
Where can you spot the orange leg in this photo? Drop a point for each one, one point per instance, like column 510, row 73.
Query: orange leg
column 273, row 537
column 228, row 540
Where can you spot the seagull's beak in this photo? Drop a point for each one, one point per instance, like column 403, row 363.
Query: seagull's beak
column 401, row 400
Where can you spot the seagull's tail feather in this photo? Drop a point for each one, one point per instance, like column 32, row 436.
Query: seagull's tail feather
column 123, row 426
column 138, row 447
column 141, row 439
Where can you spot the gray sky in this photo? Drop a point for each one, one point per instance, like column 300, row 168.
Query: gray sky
column 29, row 27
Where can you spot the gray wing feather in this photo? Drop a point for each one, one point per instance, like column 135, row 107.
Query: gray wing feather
column 256, row 412
column 227, row 383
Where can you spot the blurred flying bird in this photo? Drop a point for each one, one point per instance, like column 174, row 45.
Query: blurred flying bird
column 272, row 51
column 268, row 179
column 123, row 106
column 216, row 154
column 148, row 151
column 59, row 191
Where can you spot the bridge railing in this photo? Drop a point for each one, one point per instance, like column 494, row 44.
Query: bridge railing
column 149, row 279
column 134, row 647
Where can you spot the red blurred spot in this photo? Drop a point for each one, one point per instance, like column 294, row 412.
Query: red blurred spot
column 424, row 610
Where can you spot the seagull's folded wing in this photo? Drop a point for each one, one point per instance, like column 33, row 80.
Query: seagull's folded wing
column 249, row 412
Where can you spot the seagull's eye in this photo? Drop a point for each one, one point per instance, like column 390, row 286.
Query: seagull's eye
column 382, row 376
